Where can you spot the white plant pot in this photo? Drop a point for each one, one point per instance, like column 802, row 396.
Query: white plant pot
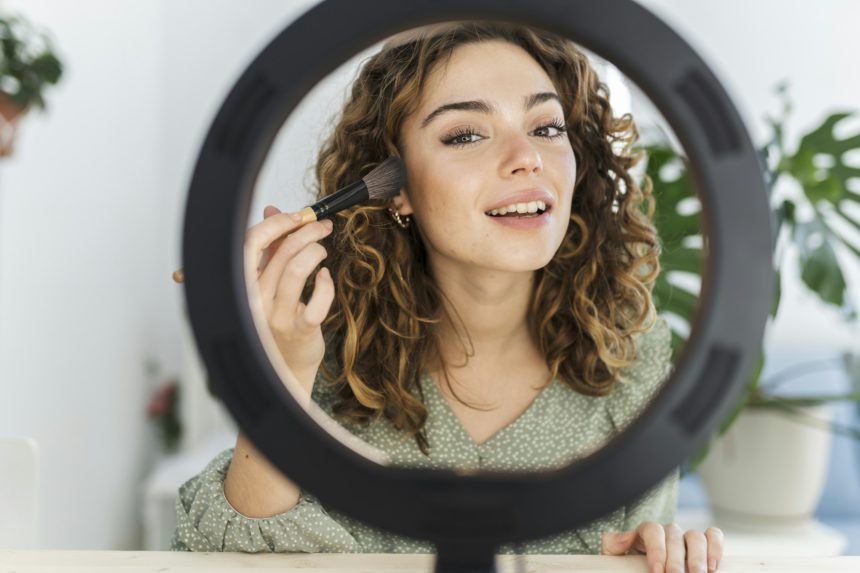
column 767, row 472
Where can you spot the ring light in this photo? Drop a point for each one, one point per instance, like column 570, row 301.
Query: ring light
column 469, row 516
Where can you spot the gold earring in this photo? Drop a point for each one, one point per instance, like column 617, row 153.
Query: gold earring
column 403, row 221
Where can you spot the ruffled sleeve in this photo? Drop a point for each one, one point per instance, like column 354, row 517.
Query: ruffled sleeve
column 207, row 522
column 638, row 384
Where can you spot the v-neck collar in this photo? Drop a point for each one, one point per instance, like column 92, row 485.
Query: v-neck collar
column 430, row 387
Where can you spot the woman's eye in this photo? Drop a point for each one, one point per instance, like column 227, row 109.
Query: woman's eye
column 460, row 138
column 559, row 127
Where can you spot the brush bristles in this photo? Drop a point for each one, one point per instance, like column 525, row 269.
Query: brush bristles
column 386, row 180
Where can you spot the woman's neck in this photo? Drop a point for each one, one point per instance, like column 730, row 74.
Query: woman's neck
column 485, row 318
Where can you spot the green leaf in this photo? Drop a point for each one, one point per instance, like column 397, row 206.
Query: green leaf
column 820, row 269
column 678, row 343
column 827, row 181
column 788, row 209
column 847, row 217
column 684, row 259
column 47, row 66
column 672, row 298
column 777, row 292
column 675, row 230
column 829, row 196
column 28, row 63
column 673, row 226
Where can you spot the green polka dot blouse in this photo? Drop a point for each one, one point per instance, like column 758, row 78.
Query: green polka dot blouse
column 560, row 426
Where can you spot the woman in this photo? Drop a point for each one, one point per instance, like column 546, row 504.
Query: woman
column 495, row 314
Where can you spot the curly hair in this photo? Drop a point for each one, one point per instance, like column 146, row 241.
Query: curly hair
column 588, row 302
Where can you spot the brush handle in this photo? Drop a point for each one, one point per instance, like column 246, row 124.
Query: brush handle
column 352, row 194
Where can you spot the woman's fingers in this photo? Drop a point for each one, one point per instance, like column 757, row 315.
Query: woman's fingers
column 263, row 234
column 280, row 255
column 697, row 551
column 716, row 541
column 675, row 551
column 283, row 263
column 296, row 273
column 269, row 211
column 654, row 539
column 617, row 542
column 320, row 302
column 667, row 548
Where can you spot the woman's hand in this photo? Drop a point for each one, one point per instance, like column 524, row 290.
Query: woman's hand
column 279, row 258
column 668, row 548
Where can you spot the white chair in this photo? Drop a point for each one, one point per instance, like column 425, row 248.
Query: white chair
column 19, row 493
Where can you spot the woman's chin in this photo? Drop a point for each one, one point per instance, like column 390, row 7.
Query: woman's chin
column 527, row 262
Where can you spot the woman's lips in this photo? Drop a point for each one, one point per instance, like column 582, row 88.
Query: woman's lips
column 515, row 222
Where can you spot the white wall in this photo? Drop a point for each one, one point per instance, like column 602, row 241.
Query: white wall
column 91, row 218
column 91, row 211
column 82, row 200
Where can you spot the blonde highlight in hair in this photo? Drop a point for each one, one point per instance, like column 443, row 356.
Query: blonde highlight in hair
column 589, row 301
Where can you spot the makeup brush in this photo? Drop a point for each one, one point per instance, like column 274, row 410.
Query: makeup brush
column 384, row 182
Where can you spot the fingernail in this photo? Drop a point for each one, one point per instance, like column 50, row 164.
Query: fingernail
column 712, row 565
column 296, row 216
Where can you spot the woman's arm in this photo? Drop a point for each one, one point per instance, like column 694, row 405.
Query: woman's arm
column 254, row 487
column 280, row 254
column 206, row 521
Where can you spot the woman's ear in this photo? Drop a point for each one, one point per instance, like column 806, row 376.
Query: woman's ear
column 401, row 203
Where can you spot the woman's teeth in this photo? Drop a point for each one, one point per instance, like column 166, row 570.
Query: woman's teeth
column 519, row 208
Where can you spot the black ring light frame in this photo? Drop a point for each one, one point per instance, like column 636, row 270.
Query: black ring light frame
column 469, row 516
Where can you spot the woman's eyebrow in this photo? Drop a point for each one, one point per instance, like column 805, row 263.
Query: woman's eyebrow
column 484, row 106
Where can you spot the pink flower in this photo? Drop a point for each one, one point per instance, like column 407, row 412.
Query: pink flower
column 162, row 400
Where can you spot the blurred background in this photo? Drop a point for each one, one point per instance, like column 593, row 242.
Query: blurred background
column 97, row 368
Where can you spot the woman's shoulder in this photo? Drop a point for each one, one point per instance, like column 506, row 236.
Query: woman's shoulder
column 653, row 353
column 641, row 380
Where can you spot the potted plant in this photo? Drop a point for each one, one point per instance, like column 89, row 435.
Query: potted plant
column 163, row 407
column 28, row 65
column 768, row 430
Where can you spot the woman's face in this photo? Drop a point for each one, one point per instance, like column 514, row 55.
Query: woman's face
column 488, row 134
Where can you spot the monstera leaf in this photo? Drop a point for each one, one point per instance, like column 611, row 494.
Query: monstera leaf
column 819, row 163
column 830, row 185
column 680, row 234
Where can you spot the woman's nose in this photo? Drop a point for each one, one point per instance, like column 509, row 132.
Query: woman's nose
column 520, row 154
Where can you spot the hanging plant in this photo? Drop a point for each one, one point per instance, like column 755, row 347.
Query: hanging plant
column 28, row 65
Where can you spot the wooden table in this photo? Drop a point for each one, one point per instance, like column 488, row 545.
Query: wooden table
column 176, row 562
